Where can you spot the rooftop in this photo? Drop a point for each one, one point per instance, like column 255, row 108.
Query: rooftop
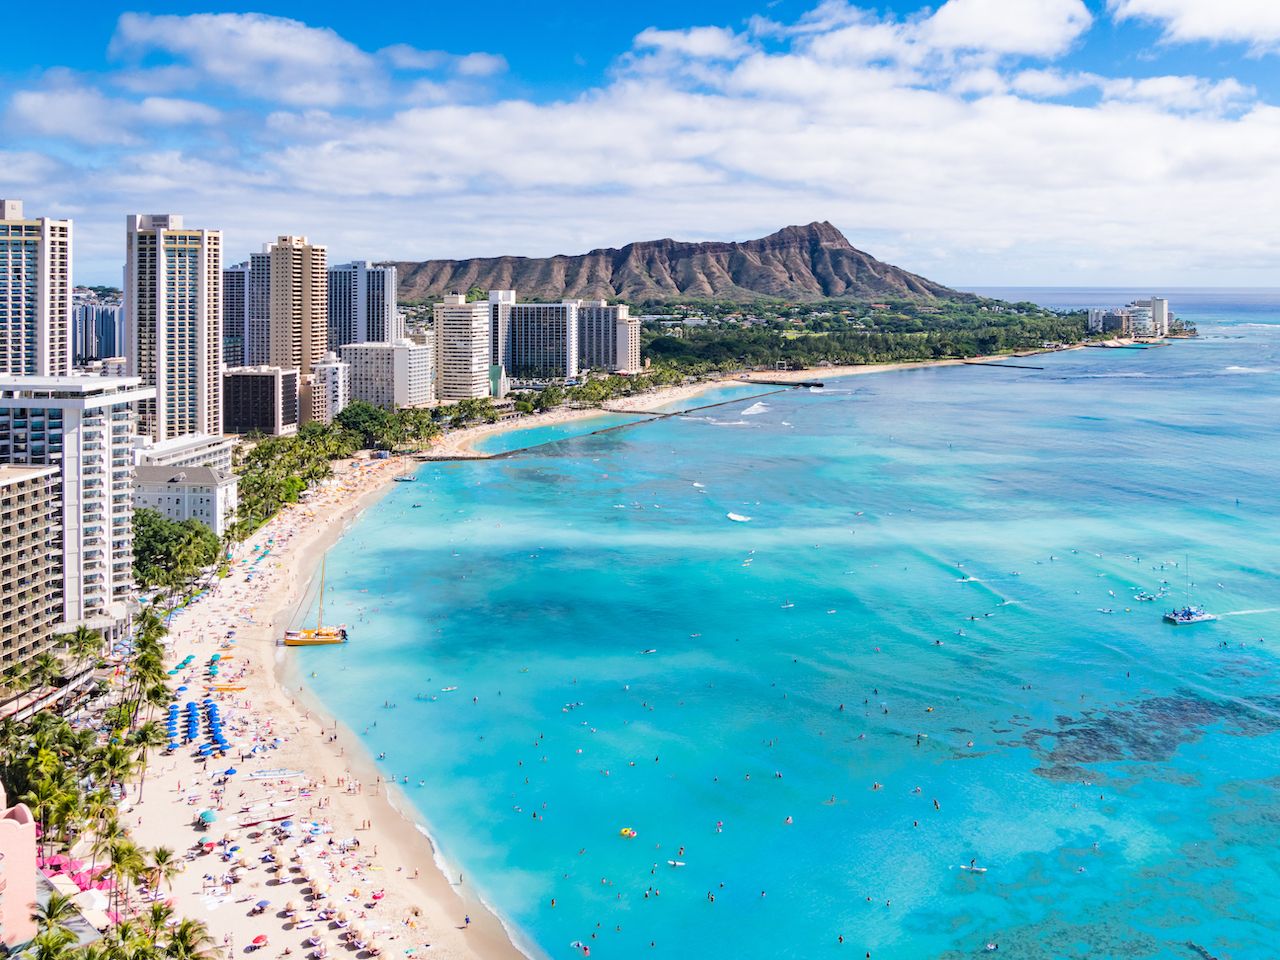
column 202, row 476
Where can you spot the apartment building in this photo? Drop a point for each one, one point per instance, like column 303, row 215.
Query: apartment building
column 84, row 425
column 97, row 329
column 462, row 349
column 235, row 314
column 608, row 337
column 392, row 375
column 362, row 304
column 332, row 387
column 260, row 400
column 299, row 321
column 173, row 299
column 542, row 340
column 30, row 561
column 35, row 293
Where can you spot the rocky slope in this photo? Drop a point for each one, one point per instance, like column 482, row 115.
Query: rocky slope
column 812, row 262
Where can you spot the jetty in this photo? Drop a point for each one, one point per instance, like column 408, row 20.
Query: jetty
column 1003, row 366
column 781, row 383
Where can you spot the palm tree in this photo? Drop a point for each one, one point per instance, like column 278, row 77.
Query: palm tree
column 52, row 945
column 149, row 735
column 42, row 798
column 157, row 919
column 189, row 940
column 54, row 913
column 165, row 865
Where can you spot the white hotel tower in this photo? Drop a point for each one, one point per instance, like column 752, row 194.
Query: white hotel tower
column 83, row 425
column 35, row 293
column 173, row 299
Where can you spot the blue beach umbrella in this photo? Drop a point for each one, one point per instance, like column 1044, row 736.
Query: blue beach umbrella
column 207, row 816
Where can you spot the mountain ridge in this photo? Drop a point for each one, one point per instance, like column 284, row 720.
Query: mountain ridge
column 804, row 263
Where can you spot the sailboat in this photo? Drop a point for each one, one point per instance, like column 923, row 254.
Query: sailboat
column 1188, row 614
column 321, row 635
column 408, row 476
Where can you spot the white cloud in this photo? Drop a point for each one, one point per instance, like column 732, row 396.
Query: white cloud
column 1179, row 94
column 1051, row 83
column 64, row 108
column 946, row 158
column 273, row 58
column 404, row 57
column 1042, row 28
column 704, row 43
column 1252, row 22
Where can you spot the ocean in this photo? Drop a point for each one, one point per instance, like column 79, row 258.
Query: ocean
column 923, row 653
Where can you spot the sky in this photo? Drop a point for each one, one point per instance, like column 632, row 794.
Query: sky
column 977, row 142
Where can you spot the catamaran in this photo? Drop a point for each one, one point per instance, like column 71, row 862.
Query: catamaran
column 321, row 635
column 1187, row 614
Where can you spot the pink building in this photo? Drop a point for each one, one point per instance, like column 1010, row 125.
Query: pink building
column 17, row 872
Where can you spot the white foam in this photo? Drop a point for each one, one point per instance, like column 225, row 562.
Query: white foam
column 1234, row 369
column 755, row 409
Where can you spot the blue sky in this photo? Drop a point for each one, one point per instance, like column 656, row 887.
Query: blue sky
column 975, row 141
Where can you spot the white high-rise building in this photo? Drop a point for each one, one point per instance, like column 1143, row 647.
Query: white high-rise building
column 362, row 304
column 84, row 425
column 462, row 342
column 332, row 387
column 173, row 303
column 608, row 337
column 299, row 333
column 392, row 375
column 35, row 293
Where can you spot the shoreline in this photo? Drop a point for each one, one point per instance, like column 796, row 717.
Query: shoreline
column 271, row 690
column 460, row 444
column 419, row 907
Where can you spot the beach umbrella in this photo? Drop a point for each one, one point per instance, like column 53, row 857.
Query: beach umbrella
column 263, row 904
column 230, row 771
column 182, row 689
column 260, row 940
column 207, row 816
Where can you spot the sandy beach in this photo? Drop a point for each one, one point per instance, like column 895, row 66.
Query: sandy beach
column 352, row 846
column 293, row 764
column 460, row 444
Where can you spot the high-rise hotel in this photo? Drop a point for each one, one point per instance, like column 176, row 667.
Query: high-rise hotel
column 35, row 293
column 362, row 304
column 173, row 297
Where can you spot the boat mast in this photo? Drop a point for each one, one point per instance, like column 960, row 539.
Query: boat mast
column 320, row 612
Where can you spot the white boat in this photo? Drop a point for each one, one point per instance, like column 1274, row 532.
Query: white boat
column 737, row 518
column 1188, row 613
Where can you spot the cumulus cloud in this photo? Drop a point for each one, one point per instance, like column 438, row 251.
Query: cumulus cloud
column 64, row 108
column 273, row 58
column 952, row 157
column 1253, row 22
column 1042, row 28
column 705, row 43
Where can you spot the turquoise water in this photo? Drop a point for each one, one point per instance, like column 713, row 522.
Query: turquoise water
column 929, row 549
column 525, row 437
column 533, row 436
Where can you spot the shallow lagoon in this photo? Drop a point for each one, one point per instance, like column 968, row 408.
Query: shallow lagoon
column 1120, row 786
